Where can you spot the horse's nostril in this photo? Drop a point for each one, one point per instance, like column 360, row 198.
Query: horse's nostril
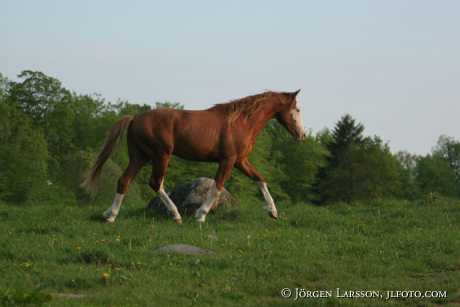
column 301, row 136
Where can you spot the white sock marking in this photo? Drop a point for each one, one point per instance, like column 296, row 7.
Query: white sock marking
column 268, row 198
column 211, row 199
column 111, row 214
column 169, row 203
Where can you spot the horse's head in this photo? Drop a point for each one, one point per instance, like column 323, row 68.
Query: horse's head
column 289, row 115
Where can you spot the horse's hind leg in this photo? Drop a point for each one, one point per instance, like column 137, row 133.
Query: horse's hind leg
column 159, row 167
column 135, row 164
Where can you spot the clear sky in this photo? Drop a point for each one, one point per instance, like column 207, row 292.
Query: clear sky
column 394, row 65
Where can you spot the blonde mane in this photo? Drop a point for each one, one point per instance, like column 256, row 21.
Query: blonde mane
column 245, row 107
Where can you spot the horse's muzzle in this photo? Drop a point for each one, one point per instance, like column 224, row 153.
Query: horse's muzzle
column 301, row 136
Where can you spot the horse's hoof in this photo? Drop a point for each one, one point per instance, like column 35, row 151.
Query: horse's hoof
column 200, row 216
column 273, row 215
column 201, row 219
column 109, row 220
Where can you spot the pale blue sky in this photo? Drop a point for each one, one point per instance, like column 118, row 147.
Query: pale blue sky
column 394, row 65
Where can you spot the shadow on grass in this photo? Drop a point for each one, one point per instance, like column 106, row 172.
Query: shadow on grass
column 225, row 213
column 97, row 217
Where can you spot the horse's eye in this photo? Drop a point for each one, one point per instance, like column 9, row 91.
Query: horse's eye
column 298, row 110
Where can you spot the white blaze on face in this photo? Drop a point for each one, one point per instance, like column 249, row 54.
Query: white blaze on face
column 295, row 113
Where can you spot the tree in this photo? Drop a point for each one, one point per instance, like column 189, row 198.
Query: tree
column 439, row 172
column 299, row 162
column 23, row 157
column 449, row 149
column 346, row 133
column 324, row 137
column 407, row 164
column 37, row 95
column 169, row 104
column 92, row 118
column 434, row 175
column 358, row 168
column 43, row 99
column 126, row 108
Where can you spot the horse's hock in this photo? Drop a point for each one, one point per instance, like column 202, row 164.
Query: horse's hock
column 189, row 197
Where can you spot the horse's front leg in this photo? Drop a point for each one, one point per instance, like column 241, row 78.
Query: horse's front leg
column 223, row 173
column 249, row 170
column 271, row 208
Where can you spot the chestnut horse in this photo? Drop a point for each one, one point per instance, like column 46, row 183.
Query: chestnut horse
column 224, row 133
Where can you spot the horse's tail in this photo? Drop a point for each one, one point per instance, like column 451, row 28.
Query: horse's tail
column 117, row 131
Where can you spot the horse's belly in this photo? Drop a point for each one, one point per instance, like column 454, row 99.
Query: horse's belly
column 196, row 149
column 194, row 154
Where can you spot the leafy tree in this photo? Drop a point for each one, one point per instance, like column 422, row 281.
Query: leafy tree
column 169, row 104
column 43, row 99
column 435, row 175
column 324, row 137
column 449, row 149
column 37, row 95
column 23, row 157
column 439, row 172
column 299, row 161
column 407, row 164
column 92, row 118
column 126, row 108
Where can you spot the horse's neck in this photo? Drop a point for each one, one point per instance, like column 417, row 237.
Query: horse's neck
column 261, row 118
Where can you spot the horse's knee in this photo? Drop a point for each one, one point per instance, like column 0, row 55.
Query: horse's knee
column 155, row 184
column 219, row 186
column 122, row 185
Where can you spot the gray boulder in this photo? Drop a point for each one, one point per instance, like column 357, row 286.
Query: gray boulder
column 189, row 197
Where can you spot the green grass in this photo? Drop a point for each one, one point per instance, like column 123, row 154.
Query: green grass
column 49, row 253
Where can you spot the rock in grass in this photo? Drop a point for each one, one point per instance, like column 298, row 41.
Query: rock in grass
column 183, row 249
column 189, row 197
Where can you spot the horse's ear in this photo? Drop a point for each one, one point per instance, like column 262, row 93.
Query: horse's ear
column 289, row 97
column 292, row 97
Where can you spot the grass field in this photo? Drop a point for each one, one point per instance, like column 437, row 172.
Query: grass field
column 64, row 256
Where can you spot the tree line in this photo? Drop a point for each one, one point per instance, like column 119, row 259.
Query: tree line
column 49, row 137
